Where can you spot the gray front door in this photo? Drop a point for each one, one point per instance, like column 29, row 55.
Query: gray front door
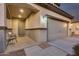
column 21, row 27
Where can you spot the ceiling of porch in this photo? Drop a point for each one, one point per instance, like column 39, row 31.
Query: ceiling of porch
column 21, row 10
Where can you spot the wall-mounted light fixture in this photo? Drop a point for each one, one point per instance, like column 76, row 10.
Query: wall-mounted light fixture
column 43, row 21
column 70, row 25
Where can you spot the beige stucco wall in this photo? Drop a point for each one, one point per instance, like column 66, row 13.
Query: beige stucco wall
column 44, row 11
column 13, row 24
column 9, row 23
column 36, row 18
column 35, row 21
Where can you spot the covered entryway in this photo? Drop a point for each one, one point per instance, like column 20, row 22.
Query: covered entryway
column 16, row 36
column 57, row 29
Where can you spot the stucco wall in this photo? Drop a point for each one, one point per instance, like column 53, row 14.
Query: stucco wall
column 13, row 24
column 35, row 21
column 44, row 11
column 17, row 26
column 9, row 23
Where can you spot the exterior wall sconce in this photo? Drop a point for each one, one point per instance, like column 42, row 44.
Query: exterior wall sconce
column 44, row 21
column 70, row 25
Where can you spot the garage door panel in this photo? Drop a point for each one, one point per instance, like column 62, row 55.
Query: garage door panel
column 56, row 29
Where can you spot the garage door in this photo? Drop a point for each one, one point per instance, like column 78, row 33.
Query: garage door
column 56, row 29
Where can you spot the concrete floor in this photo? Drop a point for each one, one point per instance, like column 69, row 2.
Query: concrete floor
column 22, row 42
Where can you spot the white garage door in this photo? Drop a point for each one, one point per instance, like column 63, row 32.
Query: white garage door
column 56, row 29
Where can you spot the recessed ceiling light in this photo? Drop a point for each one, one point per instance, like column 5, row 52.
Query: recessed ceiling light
column 19, row 16
column 21, row 10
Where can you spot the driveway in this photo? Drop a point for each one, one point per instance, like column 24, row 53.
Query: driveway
column 66, row 44
column 60, row 47
column 50, row 51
